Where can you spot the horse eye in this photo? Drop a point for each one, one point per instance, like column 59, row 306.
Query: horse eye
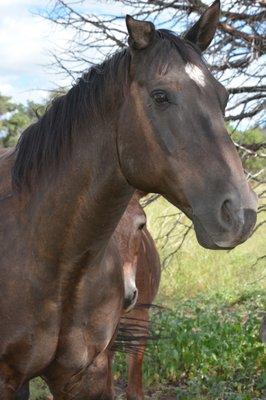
column 160, row 96
column 141, row 226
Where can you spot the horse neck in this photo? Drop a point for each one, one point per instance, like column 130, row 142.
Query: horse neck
column 75, row 216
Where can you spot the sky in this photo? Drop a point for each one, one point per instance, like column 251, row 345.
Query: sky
column 26, row 43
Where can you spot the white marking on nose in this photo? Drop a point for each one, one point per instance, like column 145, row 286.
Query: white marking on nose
column 129, row 279
column 195, row 73
column 130, row 286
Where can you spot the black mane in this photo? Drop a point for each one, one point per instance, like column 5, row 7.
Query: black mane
column 46, row 142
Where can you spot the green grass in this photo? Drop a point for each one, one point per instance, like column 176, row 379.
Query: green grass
column 209, row 346
column 38, row 390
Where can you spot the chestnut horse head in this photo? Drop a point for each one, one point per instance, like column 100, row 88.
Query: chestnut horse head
column 128, row 239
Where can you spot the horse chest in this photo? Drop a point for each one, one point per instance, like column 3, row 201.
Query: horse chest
column 90, row 319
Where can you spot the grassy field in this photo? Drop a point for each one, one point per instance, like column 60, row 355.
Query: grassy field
column 209, row 346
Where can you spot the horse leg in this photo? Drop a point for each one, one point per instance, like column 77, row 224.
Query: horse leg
column 101, row 378
column 7, row 394
column 135, row 389
column 8, row 382
column 135, row 359
column 109, row 393
column 23, row 393
column 87, row 384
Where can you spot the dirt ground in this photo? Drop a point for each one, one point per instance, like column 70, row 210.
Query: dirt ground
column 165, row 393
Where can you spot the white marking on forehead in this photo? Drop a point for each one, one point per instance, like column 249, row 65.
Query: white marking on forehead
column 195, row 73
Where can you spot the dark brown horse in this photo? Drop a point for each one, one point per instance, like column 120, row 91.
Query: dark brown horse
column 98, row 309
column 130, row 246
column 151, row 118
column 142, row 269
column 141, row 274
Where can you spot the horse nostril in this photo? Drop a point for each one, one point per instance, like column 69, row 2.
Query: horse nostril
column 130, row 301
column 226, row 213
column 232, row 215
column 135, row 295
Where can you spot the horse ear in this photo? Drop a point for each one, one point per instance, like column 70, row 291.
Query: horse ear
column 141, row 33
column 204, row 29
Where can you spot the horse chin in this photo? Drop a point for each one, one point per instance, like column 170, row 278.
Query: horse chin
column 128, row 309
column 208, row 243
column 128, row 306
column 203, row 236
column 205, row 240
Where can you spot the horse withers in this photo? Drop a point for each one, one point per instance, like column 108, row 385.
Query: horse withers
column 65, row 188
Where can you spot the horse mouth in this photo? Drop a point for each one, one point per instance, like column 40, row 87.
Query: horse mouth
column 226, row 239
column 204, row 238
column 129, row 303
column 207, row 241
column 221, row 238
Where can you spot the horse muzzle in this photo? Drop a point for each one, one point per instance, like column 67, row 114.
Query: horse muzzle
column 131, row 300
column 238, row 230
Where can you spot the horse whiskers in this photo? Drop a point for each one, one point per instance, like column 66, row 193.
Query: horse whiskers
column 131, row 338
